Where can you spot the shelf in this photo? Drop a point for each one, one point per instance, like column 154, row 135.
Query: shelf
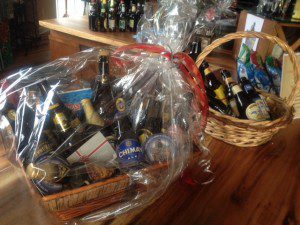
column 79, row 28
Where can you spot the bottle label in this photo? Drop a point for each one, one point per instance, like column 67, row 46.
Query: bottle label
column 131, row 23
column 264, row 109
column 253, row 112
column 129, row 152
column 220, row 93
column 97, row 149
column 112, row 24
column 145, row 134
column 11, row 114
column 160, row 148
column 61, row 121
column 54, row 106
column 234, row 107
column 120, row 105
column 105, row 23
column 122, row 24
column 236, row 89
column 43, row 148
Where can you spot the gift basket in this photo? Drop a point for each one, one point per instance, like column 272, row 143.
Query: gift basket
column 104, row 129
column 264, row 114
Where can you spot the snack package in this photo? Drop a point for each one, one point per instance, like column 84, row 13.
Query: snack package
column 274, row 69
column 105, row 130
column 263, row 81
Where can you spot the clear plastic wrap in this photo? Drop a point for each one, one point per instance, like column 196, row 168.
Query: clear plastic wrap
column 171, row 25
column 104, row 130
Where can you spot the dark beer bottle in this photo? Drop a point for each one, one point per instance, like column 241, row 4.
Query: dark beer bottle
column 93, row 16
column 133, row 18
column 195, row 48
column 139, row 12
column 217, row 104
column 65, row 121
column 231, row 99
column 129, row 150
column 248, row 109
column 122, row 17
column 103, row 16
column 112, row 16
column 102, row 99
column 153, row 122
column 214, row 84
column 252, row 94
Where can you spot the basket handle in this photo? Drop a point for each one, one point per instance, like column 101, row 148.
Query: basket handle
column 251, row 34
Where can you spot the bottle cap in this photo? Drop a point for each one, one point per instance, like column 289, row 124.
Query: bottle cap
column 31, row 171
column 103, row 53
column 225, row 74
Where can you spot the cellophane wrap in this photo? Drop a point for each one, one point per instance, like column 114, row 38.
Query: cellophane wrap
column 67, row 130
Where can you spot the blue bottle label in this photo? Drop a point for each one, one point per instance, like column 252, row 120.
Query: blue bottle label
column 129, row 152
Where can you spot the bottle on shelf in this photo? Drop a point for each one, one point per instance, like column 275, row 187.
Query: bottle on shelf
column 93, row 16
column 122, row 16
column 103, row 100
column 214, row 84
column 252, row 94
column 103, row 23
column 112, row 16
column 139, row 11
column 133, row 18
column 248, row 109
column 231, row 99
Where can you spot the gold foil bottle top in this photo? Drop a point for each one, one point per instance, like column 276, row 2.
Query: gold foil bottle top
column 34, row 173
column 92, row 117
column 103, row 53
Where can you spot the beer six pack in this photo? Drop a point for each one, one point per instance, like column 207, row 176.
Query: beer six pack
column 97, row 115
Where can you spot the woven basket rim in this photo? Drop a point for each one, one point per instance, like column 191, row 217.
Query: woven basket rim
column 287, row 104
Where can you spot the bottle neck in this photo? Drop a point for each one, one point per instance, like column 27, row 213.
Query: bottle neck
column 236, row 89
column 228, row 81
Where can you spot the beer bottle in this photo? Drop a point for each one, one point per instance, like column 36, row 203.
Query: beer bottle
column 252, row 94
column 139, row 12
column 93, row 16
column 112, row 16
column 195, row 48
column 9, row 112
column 248, row 109
column 133, row 18
column 102, row 99
column 48, row 167
column 129, row 150
column 91, row 116
column 65, row 121
column 217, row 104
column 103, row 16
column 153, row 123
column 122, row 17
column 229, row 82
column 214, row 84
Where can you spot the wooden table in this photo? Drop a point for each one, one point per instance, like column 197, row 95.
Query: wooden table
column 253, row 186
column 71, row 35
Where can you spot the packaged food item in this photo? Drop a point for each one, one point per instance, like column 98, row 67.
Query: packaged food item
column 275, row 71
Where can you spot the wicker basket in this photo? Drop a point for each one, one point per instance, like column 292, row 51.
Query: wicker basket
column 74, row 203
column 247, row 133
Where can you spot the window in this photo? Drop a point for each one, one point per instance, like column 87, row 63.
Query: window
column 75, row 8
